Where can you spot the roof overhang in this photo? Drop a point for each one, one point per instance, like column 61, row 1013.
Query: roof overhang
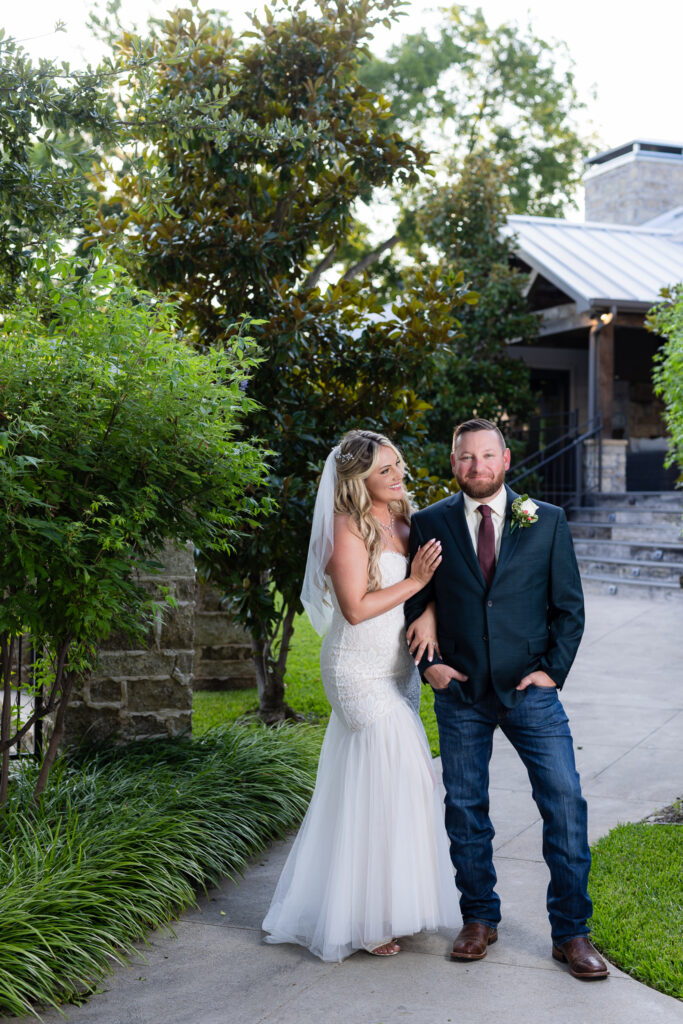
column 629, row 265
column 567, row 317
column 563, row 319
column 598, row 306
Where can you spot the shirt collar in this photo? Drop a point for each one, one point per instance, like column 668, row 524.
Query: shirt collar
column 498, row 504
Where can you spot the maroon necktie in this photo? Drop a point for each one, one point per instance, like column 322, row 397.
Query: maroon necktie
column 486, row 544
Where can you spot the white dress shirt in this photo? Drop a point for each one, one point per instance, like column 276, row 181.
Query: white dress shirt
column 473, row 517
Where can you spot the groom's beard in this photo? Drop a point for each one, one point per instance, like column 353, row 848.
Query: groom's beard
column 479, row 487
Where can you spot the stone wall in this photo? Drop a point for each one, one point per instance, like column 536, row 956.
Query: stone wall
column 145, row 691
column 613, row 466
column 222, row 649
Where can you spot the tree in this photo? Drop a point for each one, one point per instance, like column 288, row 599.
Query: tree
column 257, row 208
column 48, row 118
column 463, row 222
column 666, row 319
column 502, row 91
column 254, row 200
column 499, row 107
column 115, row 438
column 54, row 124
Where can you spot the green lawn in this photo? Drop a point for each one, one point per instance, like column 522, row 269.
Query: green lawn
column 304, row 691
column 637, row 890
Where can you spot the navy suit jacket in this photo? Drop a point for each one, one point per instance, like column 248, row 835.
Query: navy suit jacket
column 531, row 617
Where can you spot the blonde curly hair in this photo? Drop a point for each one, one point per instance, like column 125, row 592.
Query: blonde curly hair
column 359, row 453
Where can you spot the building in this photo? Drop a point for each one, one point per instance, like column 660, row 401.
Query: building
column 592, row 284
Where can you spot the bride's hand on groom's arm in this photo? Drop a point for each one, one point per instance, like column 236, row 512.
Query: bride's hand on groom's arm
column 425, row 562
column 421, row 635
column 439, row 676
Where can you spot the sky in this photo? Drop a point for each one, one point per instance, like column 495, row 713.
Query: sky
column 628, row 54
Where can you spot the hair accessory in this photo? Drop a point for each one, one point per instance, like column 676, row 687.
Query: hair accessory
column 343, row 456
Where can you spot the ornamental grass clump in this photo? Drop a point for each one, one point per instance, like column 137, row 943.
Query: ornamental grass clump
column 122, row 840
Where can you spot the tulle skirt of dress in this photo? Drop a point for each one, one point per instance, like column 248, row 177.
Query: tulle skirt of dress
column 371, row 858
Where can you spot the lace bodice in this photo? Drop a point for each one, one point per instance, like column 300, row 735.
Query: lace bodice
column 366, row 668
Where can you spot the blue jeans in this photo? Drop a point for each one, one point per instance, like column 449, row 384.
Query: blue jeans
column 538, row 729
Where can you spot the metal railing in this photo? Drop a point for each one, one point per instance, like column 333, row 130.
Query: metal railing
column 555, row 472
column 31, row 744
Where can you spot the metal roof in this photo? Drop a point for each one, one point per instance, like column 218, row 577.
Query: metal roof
column 672, row 221
column 601, row 265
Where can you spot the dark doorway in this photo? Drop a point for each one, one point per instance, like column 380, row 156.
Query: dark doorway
column 645, row 472
column 542, row 442
column 551, row 419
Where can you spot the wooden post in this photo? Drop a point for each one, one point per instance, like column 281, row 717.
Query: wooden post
column 606, row 377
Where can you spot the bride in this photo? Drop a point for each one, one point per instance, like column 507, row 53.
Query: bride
column 371, row 859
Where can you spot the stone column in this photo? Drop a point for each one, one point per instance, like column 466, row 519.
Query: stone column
column 144, row 692
column 223, row 650
column 613, row 466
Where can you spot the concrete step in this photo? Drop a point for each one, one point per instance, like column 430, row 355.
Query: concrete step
column 661, row 532
column 670, row 572
column 605, row 583
column 621, row 499
column 628, row 550
column 630, row 544
column 627, row 514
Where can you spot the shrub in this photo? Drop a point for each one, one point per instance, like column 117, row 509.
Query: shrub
column 115, row 437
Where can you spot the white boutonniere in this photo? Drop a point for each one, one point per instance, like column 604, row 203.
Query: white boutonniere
column 523, row 512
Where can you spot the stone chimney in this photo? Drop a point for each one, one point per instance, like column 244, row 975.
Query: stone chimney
column 634, row 183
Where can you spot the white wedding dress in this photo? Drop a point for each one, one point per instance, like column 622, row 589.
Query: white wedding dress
column 371, row 859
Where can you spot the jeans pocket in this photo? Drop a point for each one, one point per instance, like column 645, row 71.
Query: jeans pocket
column 540, row 690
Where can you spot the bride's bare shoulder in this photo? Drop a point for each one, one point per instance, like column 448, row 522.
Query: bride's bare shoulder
column 344, row 526
column 349, row 549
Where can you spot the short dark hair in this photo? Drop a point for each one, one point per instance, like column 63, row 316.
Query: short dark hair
column 471, row 426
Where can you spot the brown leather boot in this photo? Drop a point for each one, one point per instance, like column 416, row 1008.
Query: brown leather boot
column 472, row 941
column 584, row 961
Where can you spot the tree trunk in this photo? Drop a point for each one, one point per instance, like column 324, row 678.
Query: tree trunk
column 56, row 737
column 270, row 675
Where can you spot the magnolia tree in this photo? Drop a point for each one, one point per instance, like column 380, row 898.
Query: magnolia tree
column 116, row 436
column 256, row 207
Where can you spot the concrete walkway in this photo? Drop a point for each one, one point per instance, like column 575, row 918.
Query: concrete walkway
column 625, row 700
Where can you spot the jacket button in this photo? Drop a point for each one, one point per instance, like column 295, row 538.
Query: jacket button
column 484, row 637
column 490, row 604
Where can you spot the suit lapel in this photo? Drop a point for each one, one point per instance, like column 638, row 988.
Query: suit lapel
column 454, row 515
column 509, row 540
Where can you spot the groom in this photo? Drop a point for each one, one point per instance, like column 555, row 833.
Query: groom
column 509, row 607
